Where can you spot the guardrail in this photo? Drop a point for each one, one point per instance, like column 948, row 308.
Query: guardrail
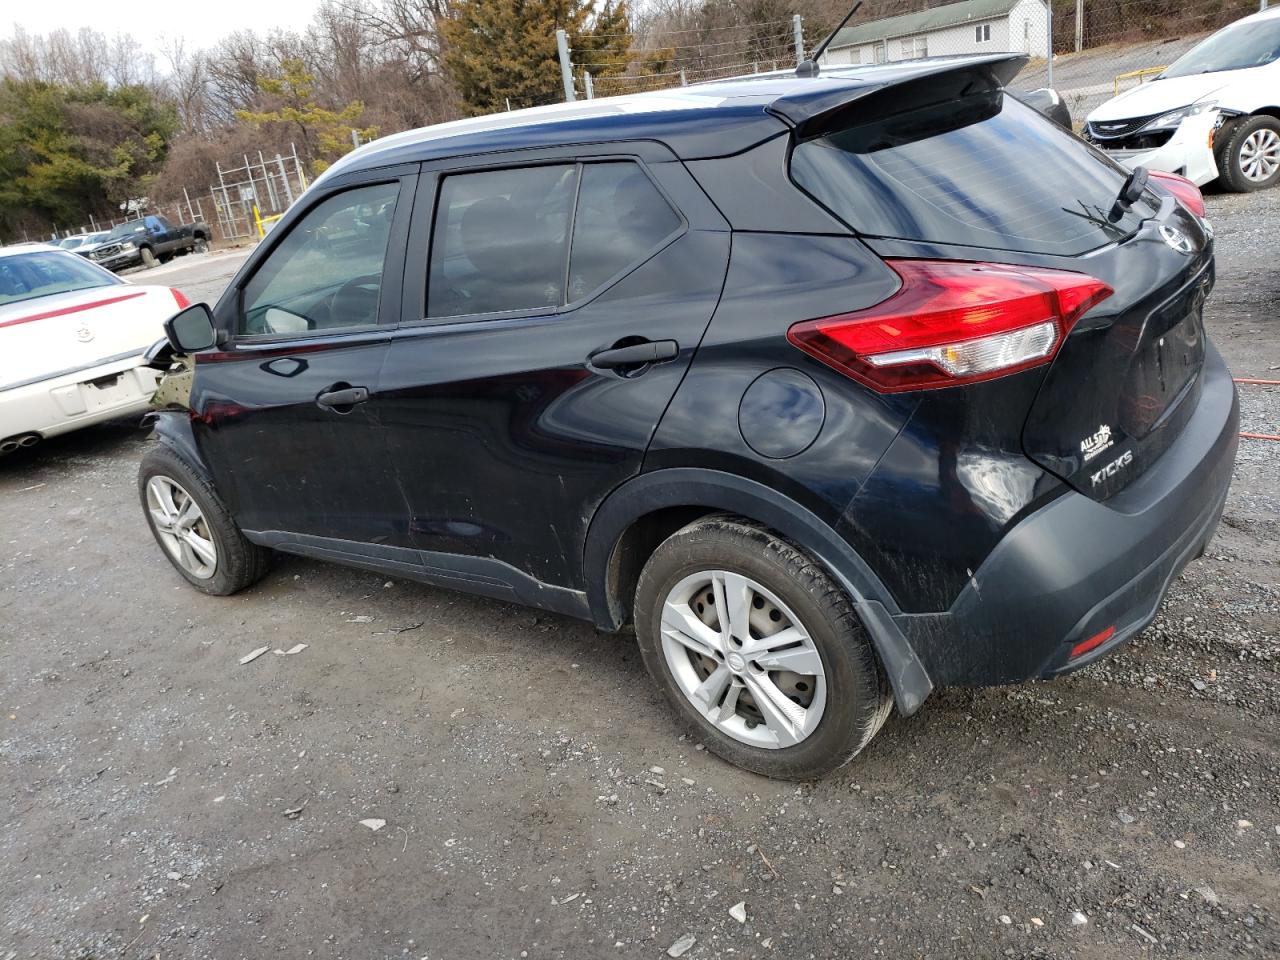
column 1140, row 74
column 264, row 223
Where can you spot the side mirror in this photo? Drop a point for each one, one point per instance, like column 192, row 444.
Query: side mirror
column 1047, row 101
column 191, row 330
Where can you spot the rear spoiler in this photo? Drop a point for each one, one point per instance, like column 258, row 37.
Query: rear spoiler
column 809, row 110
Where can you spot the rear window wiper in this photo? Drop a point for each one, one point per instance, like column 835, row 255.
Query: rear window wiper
column 1130, row 193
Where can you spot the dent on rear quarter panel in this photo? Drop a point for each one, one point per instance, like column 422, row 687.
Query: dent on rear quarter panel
column 948, row 489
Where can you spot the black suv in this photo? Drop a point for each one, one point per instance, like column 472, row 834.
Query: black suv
column 839, row 388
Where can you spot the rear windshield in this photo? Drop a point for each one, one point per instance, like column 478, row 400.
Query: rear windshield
column 981, row 170
column 29, row 276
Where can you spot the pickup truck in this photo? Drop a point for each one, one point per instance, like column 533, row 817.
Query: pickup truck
column 148, row 241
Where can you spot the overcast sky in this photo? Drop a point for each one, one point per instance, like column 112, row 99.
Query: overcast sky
column 200, row 22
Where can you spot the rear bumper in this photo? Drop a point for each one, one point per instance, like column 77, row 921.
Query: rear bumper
column 1077, row 567
column 120, row 262
column 77, row 398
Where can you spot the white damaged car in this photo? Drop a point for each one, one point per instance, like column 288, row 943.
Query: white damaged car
column 72, row 342
column 1213, row 113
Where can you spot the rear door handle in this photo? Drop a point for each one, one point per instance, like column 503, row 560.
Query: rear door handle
column 636, row 355
column 346, row 397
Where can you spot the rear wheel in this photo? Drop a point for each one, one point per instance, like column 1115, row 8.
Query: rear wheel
column 200, row 246
column 758, row 650
column 1250, row 158
column 194, row 530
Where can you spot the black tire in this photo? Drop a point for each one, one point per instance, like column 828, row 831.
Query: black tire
column 858, row 699
column 200, row 246
column 148, row 258
column 1231, row 172
column 240, row 563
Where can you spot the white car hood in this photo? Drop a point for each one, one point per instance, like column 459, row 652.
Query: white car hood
column 66, row 331
column 1160, row 96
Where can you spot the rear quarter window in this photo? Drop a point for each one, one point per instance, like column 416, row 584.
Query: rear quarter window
column 982, row 171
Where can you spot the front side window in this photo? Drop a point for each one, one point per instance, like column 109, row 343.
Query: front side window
column 327, row 273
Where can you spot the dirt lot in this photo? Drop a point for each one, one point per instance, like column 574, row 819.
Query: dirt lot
column 160, row 800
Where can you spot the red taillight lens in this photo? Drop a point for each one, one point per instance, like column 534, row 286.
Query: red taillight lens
column 183, row 302
column 1183, row 189
column 952, row 323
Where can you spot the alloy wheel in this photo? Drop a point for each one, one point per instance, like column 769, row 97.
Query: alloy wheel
column 1260, row 155
column 181, row 527
column 743, row 660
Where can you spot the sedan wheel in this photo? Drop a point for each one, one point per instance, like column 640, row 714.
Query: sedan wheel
column 181, row 527
column 1260, row 155
column 743, row 659
column 1248, row 154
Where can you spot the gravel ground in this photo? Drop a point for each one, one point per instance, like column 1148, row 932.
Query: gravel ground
column 162, row 800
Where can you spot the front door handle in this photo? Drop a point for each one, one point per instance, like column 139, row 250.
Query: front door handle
column 635, row 355
column 343, row 399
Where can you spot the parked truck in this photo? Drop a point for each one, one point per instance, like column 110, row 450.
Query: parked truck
column 149, row 240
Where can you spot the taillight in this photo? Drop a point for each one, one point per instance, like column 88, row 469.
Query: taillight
column 951, row 323
column 183, row 302
column 1182, row 189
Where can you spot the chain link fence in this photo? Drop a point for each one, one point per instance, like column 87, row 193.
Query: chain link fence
column 242, row 205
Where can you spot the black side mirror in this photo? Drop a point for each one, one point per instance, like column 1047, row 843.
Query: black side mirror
column 191, row 330
column 1048, row 101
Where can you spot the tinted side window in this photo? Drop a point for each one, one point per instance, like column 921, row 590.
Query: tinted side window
column 500, row 241
column 621, row 219
column 327, row 272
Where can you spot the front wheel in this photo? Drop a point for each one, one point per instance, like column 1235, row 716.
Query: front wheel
column 148, row 258
column 758, row 650
column 1250, row 158
column 194, row 530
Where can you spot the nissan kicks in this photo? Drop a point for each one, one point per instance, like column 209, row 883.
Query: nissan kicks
column 839, row 388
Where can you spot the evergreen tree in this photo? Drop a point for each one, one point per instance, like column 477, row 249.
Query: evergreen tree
column 500, row 50
column 325, row 134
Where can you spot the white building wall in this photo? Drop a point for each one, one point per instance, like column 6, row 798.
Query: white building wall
column 1029, row 28
column 1024, row 30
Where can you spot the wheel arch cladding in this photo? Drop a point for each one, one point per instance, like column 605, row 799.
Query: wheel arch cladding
column 641, row 513
column 173, row 429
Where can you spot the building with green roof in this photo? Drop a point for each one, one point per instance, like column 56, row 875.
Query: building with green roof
column 970, row 26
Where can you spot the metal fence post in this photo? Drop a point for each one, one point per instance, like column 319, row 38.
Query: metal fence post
column 798, row 32
column 684, row 82
column 1049, row 42
column 1079, row 25
column 566, row 68
column 586, row 78
column 284, row 178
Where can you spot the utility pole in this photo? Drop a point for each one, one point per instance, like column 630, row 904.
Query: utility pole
column 566, row 67
column 798, row 31
column 591, row 92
